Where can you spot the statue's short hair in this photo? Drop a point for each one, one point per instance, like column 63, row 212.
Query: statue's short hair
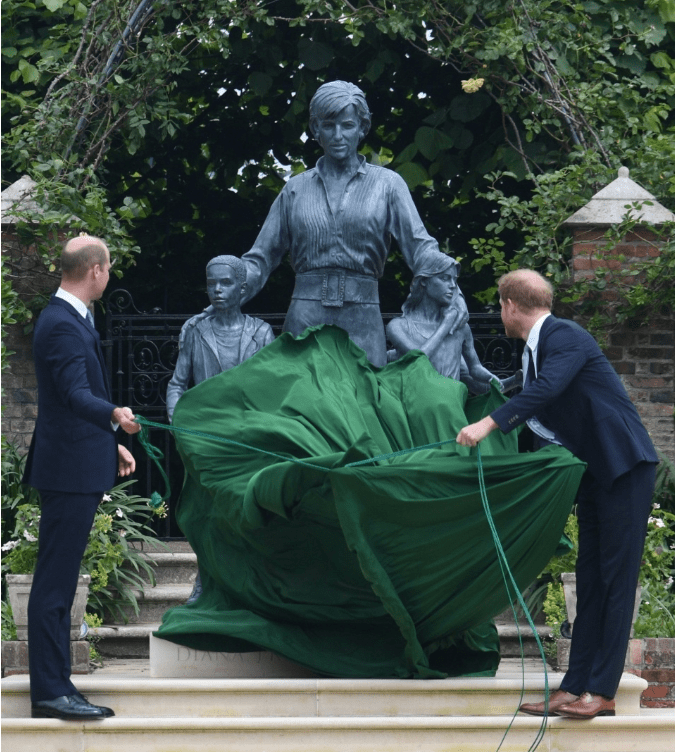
column 236, row 263
column 331, row 98
column 527, row 288
column 80, row 254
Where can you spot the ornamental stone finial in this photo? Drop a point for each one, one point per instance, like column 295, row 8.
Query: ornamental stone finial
column 610, row 205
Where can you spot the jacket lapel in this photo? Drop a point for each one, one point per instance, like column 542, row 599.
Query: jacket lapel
column 91, row 332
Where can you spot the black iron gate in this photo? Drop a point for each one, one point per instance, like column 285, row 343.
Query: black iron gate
column 141, row 350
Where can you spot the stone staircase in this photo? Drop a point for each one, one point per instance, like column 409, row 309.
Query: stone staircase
column 175, row 572
column 315, row 714
column 328, row 715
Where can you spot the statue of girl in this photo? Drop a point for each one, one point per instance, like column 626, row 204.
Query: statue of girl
column 435, row 321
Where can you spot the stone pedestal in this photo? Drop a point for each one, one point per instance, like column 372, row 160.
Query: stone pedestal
column 18, row 592
column 168, row 660
column 15, row 657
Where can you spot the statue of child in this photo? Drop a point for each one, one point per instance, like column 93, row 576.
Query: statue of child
column 435, row 321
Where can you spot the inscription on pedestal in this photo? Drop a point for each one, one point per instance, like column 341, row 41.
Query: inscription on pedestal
column 168, row 660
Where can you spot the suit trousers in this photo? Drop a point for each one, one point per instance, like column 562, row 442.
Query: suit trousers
column 65, row 523
column 612, row 531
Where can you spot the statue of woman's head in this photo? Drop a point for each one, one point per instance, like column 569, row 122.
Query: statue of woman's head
column 431, row 266
column 331, row 98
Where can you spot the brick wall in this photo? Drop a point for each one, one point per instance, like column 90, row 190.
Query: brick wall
column 642, row 354
column 30, row 278
column 653, row 658
column 19, row 389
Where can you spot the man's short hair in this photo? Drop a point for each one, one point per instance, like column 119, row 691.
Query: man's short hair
column 527, row 288
column 236, row 263
column 80, row 254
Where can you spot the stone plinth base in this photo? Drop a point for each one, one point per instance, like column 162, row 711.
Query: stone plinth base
column 168, row 660
column 15, row 657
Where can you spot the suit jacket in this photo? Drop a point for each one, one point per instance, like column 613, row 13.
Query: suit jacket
column 198, row 356
column 73, row 449
column 578, row 395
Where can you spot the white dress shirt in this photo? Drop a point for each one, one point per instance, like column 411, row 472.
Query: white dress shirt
column 531, row 346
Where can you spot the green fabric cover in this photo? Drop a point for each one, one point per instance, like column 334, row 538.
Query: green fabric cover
column 385, row 570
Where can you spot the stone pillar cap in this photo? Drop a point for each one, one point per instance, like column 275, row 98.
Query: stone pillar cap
column 608, row 206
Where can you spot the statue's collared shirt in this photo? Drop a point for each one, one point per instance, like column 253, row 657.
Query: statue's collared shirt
column 375, row 206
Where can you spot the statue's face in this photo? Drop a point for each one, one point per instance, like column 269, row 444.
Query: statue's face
column 340, row 136
column 442, row 288
column 222, row 287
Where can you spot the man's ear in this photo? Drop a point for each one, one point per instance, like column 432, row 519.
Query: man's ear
column 243, row 287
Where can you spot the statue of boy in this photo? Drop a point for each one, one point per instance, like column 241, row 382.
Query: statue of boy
column 211, row 344
column 435, row 321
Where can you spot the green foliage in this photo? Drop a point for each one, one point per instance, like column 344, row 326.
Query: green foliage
column 502, row 118
column 554, row 607
column 656, row 616
column 8, row 626
column 14, row 492
column 93, row 621
column 114, row 553
column 113, row 557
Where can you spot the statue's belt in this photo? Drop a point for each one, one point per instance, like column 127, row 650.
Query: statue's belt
column 335, row 286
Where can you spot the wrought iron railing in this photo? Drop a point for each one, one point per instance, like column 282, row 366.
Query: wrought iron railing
column 141, row 350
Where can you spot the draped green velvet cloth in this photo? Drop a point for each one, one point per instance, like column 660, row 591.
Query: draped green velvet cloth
column 378, row 570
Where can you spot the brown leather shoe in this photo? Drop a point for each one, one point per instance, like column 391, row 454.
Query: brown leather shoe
column 555, row 700
column 587, row 706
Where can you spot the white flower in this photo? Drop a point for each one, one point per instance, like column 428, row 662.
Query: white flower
column 657, row 506
column 10, row 545
column 29, row 537
column 669, row 582
column 106, row 497
column 659, row 522
column 119, row 512
column 123, row 533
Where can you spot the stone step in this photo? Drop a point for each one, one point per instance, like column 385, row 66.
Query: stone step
column 439, row 734
column 173, row 568
column 328, row 715
column 154, row 601
column 148, row 697
column 124, row 640
column 133, row 640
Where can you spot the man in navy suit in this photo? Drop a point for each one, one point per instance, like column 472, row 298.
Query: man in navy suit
column 572, row 396
column 73, row 459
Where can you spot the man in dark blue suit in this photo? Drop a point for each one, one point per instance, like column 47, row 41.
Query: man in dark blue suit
column 73, row 459
column 572, row 396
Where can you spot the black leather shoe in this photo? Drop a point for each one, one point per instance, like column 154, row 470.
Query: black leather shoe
column 67, row 708
column 107, row 712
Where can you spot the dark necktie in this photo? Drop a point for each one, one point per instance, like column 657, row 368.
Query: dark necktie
column 530, row 374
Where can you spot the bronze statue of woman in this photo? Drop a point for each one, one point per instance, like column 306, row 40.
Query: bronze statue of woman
column 336, row 221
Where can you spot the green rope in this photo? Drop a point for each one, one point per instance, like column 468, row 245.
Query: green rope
column 156, row 500
column 156, row 454
column 512, row 587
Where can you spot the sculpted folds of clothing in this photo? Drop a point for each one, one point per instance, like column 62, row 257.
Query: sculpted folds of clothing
column 198, row 357
column 375, row 206
column 447, row 358
column 74, row 447
column 579, row 396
